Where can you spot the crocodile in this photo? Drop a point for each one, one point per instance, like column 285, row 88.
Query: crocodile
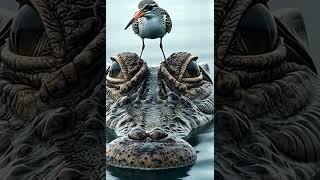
column 152, row 110
column 267, row 90
column 52, row 89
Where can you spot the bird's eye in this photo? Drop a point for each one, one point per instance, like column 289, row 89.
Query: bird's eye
column 115, row 70
column 148, row 7
column 258, row 29
column 26, row 31
column 192, row 70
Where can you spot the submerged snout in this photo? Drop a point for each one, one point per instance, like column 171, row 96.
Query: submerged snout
column 150, row 151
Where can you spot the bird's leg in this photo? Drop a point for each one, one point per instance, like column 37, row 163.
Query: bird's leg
column 142, row 48
column 161, row 47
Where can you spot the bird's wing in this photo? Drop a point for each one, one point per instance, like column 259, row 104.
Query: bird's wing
column 167, row 19
column 135, row 27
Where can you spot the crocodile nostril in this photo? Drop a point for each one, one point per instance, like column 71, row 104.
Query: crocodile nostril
column 137, row 134
column 157, row 134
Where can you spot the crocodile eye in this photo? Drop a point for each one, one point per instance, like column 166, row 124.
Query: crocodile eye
column 115, row 70
column 192, row 70
column 26, row 31
column 258, row 30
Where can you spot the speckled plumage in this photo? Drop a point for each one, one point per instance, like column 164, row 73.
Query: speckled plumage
column 163, row 18
column 166, row 18
column 150, row 22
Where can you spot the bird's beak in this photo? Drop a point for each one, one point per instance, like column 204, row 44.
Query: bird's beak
column 136, row 16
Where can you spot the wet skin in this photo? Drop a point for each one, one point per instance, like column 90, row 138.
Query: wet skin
column 151, row 110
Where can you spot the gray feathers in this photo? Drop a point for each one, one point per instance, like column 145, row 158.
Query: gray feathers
column 166, row 18
column 145, row 2
column 163, row 19
column 135, row 27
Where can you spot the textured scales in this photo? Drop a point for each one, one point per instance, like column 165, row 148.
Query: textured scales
column 52, row 123
column 153, row 115
column 267, row 107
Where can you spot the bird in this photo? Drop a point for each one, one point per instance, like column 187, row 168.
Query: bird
column 151, row 22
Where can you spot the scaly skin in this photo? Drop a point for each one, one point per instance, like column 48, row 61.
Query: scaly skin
column 152, row 108
column 52, row 106
column 267, row 107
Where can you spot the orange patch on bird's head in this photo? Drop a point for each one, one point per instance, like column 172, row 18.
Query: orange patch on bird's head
column 138, row 14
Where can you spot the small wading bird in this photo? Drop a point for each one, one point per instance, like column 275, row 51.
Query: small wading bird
column 151, row 22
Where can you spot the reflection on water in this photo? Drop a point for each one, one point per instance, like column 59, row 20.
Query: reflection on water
column 125, row 174
column 192, row 31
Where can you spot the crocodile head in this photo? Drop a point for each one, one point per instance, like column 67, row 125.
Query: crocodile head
column 266, row 94
column 47, row 47
column 151, row 110
column 52, row 72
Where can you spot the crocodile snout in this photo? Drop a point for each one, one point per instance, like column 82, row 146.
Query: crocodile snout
column 140, row 134
column 154, row 149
